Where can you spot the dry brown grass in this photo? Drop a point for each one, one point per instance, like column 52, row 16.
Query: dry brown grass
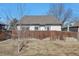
column 41, row 48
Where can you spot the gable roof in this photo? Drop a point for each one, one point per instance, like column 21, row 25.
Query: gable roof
column 39, row 20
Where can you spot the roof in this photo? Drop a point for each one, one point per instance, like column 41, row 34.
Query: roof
column 39, row 20
column 76, row 24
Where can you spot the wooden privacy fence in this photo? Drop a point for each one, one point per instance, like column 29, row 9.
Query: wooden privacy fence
column 43, row 34
column 5, row 35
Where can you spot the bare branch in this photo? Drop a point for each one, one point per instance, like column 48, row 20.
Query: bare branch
column 58, row 11
column 20, row 9
column 67, row 15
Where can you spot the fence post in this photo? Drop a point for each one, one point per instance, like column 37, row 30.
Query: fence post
column 50, row 35
column 78, row 35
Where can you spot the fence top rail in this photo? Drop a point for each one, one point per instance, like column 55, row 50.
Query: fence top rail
column 44, row 31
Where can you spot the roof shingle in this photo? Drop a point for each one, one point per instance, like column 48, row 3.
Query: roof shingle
column 39, row 20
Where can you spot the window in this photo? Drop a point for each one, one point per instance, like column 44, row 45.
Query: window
column 23, row 28
column 27, row 28
column 47, row 28
column 36, row 28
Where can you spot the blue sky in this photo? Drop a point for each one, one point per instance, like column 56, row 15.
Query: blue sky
column 31, row 9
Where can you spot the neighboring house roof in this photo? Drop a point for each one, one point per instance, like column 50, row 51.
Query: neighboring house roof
column 76, row 24
column 39, row 20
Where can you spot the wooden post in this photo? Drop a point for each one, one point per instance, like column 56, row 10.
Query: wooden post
column 19, row 38
column 18, row 41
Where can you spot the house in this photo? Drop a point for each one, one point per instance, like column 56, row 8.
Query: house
column 39, row 23
column 74, row 28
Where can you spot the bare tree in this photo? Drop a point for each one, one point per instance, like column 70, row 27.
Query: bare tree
column 13, row 24
column 20, row 8
column 58, row 10
column 67, row 16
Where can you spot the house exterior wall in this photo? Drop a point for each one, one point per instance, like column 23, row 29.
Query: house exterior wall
column 78, row 29
column 19, row 27
column 42, row 28
column 57, row 28
column 32, row 28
